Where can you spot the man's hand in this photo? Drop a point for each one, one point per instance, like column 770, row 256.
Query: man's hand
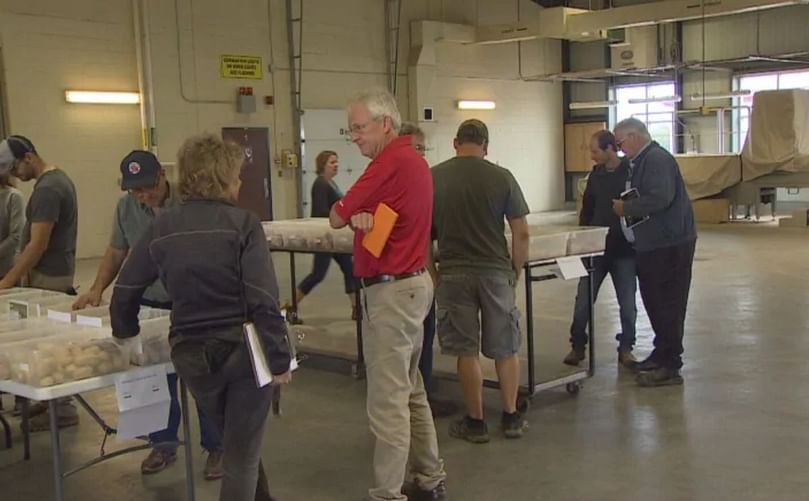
column 91, row 298
column 5, row 285
column 618, row 207
column 364, row 221
column 284, row 378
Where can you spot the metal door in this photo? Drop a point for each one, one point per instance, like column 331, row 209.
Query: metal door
column 256, row 192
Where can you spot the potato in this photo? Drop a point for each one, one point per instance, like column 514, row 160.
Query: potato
column 104, row 368
column 46, row 381
column 58, row 378
column 83, row 373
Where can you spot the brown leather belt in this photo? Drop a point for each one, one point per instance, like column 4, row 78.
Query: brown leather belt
column 381, row 279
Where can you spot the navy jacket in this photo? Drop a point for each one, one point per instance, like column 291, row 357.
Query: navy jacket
column 663, row 198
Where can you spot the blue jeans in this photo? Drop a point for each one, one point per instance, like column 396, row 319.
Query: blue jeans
column 168, row 438
column 624, row 279
column 426, row 360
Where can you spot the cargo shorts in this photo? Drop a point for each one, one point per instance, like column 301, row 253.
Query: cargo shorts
column 478, row 314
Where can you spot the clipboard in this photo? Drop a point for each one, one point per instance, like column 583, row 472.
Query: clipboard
column 384, row 220
column 258, row 356
column 632, row 194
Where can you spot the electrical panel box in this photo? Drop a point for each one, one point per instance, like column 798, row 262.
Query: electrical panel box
column 246, row 104
column 289, row 159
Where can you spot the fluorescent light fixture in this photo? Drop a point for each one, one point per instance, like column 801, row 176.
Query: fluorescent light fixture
column 467, row 104
column 591, row 105
column 721, row 95
column 101, row 97
column 665, row 100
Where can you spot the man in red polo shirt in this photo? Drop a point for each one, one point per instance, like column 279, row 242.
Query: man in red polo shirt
column 397, row 294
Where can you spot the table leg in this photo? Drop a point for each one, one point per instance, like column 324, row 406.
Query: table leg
column 591, row 289
column 56, row 450
column 292, row 316
column 529, row 325
column 26, row 429
column 189, row 460
column 6, row 431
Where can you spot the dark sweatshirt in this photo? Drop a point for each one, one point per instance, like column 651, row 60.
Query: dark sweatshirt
column 214, row 261
column 662, row 197
column 604, row 186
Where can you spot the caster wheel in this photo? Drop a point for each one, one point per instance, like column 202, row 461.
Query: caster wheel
column 573, row 388
column 523, row 404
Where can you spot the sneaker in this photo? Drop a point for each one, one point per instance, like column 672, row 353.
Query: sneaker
column 442, row 408
column 574, row 357
column 471, row 430
column 66, row 416
column 157, row 461
column 659, row 377
column 213, row 466
column 513, row 425
column 437, row 493
column 627, row 359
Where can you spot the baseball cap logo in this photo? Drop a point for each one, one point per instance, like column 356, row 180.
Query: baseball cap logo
column 134, row 168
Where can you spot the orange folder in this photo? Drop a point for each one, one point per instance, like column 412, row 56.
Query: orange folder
column 384, row 219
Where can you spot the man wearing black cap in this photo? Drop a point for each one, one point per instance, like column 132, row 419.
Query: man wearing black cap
column 148, row 192
column 48, row 259
column 477, row 276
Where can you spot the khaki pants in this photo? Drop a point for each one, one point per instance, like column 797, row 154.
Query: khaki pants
column 38, row 280
column 398, row 411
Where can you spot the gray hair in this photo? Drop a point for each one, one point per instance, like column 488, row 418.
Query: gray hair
column 410, row 129
column 380, row 104
column 633, row 126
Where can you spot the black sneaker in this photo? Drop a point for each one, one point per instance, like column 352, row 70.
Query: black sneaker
column 437, row 493
column 649, row 364
column 513, row 425
column 471, row 430
column 659, row 377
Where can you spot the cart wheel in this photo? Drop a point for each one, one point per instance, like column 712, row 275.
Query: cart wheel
column 573, row 388
column 523, row 404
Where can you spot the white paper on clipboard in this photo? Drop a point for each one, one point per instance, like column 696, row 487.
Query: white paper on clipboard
column 258, row 357
column 571, row 267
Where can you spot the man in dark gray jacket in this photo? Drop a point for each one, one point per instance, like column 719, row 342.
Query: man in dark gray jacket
column 664, row 242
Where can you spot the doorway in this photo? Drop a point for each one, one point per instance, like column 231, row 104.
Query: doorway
column 256, row 192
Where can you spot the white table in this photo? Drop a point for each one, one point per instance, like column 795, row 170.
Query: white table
column 75, row 389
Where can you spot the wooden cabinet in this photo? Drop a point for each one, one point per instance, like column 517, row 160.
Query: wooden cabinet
column 577, row 145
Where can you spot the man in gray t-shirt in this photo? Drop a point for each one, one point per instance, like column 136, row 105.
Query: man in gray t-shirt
column 477, row 309
column 48, row 258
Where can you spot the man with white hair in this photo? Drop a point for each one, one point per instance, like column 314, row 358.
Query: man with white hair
column 665, row 238
column 397, row 294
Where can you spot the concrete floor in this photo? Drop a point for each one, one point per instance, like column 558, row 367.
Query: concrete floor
column 736, row 430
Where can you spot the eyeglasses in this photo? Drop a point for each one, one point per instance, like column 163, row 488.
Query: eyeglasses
column 358, row 128
column 621, row 142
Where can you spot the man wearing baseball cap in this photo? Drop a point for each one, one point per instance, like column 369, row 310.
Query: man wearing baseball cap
column 48, row 258
column 476, row 294
column 148, row 191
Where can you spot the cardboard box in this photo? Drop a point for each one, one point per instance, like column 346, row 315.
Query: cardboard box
column 711, row 210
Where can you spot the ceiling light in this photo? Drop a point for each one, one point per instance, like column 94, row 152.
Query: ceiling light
column 664, row 100
column 591, row 105
column 466, row 104
column 101, row 97
column 721, row 95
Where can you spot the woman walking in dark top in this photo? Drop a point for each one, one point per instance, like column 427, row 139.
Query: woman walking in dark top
column 326, row 193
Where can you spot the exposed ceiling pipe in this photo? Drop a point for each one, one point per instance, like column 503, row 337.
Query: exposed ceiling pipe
column 582, row 25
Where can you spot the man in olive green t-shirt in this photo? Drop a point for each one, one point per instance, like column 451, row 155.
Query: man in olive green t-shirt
column 477, row 275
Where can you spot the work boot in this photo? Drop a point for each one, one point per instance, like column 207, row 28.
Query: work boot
column 659, row 377
column 437, row 493
column 213, row 466
column 649, row 364
column 66, row 416
column 157, row 461
column 627, row 359
column 574, row 357
column 513, row 425
column 471, row 430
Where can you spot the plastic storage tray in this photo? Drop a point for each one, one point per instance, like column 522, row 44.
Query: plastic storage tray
column 64, row 359
column 155, row 348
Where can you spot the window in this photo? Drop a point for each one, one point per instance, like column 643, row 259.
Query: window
column 757, row 82
column 658, row 117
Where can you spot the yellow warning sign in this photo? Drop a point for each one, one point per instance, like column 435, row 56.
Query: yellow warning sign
column 241, row 67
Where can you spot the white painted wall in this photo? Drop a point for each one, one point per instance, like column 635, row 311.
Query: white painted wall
column 51, row 45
